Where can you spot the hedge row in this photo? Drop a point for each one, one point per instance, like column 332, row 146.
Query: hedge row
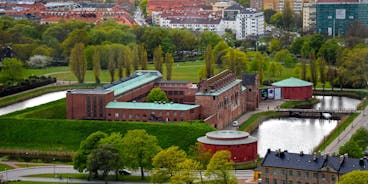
column 30, row 83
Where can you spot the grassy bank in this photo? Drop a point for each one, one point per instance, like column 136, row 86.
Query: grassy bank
column 4, row 101
column 344, row 122
column 253, row 122
column 300, row 103
column 52, row 110
column 4, row 167
column 66, row 135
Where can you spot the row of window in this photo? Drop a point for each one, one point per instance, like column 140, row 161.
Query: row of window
column 92, row 108
column 298, row 174
column 175, row 92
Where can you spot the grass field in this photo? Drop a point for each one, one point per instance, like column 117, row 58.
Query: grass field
column 253, row 122
column 300, row 103
column 66, row 135
column 52, row 110
column 4, row 167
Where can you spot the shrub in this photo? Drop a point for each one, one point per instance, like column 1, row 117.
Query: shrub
column 38, row 61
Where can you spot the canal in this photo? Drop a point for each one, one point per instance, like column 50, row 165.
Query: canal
column 300, row 134
column 46, row 98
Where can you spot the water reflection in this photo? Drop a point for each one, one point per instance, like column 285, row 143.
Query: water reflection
column 46, row 98
column 292, row 134
column 336, row 102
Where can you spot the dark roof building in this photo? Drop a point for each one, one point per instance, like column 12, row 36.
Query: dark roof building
column 283, row 167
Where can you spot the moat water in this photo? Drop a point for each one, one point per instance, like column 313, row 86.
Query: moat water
column 300, row 134
column 46, row 98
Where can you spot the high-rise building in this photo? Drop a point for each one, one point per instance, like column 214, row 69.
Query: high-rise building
column 309, row 16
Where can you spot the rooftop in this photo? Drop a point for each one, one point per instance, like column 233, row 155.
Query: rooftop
column 249, row 79
column 221, row 90
column 150, row 106
column 139, row 78
column 292, row 82
column 313, row 162
column 227, row 137
column 89, row 91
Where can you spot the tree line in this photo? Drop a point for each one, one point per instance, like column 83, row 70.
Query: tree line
column 101, row 153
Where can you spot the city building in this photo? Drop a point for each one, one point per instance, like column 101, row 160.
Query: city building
column 242, row 21
column 294, row 89
column 278, row 5
column 283, row 167
column 218, row 100
column 309, row 16
column 256, row 4
column 242, row 146
column 334, row 17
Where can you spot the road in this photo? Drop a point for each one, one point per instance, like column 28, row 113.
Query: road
column 20, row 173
column 360, row 121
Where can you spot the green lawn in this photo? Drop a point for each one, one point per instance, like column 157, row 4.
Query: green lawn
column 52, row 110
column 31, row 182
column 300, row 103
column 4, row 167
column 44, row 71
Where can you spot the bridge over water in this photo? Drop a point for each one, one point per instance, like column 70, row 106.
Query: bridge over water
column 317, row 113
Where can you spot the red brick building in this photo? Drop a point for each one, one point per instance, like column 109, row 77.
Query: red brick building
column 294, row 89
column 218, row 100
column 242, row 146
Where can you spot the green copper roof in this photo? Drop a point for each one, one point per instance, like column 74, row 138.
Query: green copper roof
column 142, row 77
column 292, row 82
column 150, row 106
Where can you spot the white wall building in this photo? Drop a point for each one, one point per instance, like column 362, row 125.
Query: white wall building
column 242, row 21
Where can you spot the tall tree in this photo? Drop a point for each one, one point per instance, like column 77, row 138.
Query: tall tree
column 111, row 64
column 209, row 61
column 78, row 62
column 158, row 59
column 127, row 61
column 236, row 61
column 97, row 65
column 275, row 45
column 322, row 71
column 219, row 51
column 184, row 172
column 313, row 68
column 135, row 56
column 77, row 36
column 141, row 148
column 143, row 57
column 169, row 62
column 219, row 167
column 287, row 16
column 120, row 60
column 260, row 67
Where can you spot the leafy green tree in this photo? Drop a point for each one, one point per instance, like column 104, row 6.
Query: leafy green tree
column 43, row 50
column 134, row 50
column 127, row 61
column 267, row 15
column 284, row 57
column 12, row 70
column 78, row 62
column 202, row 73
column 153, row 37
column 316, row 41
column 209, row 61
column 297, row 44
column 141, row 148
column 111, row 64
column 356, row 177
column 115, row 140
column 97, row 65
column 328, row 51
column 143, row 7
column 276, row 20
column 272, row 69
column 219, row 167
column 77, row 36
column 275, row 45
column 120, row 59
column 208, row 38
column 352, row 149
column 105, row 157
column 158, row 59
column 185, row 172
column 169, row 62
column 85, row 148
column 166, row 161
column 236, row 61
column 156, row 95
column 200, row 154
column 219, row 51
column 23, row 51
column 361, row 138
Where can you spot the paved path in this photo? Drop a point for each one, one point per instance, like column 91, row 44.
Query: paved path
column 20, row 173
column 360, row 121
column 267, row 105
